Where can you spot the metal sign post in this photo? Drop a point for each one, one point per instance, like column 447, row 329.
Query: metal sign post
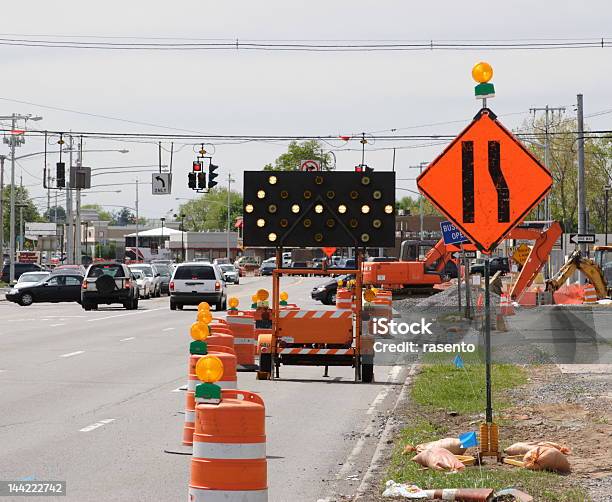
column 487, row 340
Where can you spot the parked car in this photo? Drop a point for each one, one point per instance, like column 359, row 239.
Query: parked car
column 498, row 263
column 326, row 292
column 230, row 274
column 222, row 261
column 20, row 268
column 266, row 268
column 382, row 258
column 347, row 263
column 194, row 282
column 143, row 283
column 109, row 282
column 55, row 288
column 69, row 269
column 165, row 272
column 29, row 278
column 153, row 274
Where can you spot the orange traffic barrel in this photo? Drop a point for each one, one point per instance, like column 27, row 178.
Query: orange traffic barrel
column 221, row 329
column 220, row 338
column 245, row 341
column 590, row 295
column 228, row 380
column 229, row 450
column 344, row 299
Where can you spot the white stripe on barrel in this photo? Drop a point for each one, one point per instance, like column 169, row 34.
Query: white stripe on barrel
column 196, row 495
column 243, row 451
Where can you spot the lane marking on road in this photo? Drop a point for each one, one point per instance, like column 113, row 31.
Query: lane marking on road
column 123, row 315
column 381, row 446
column 180, row 389
column 92, row 427
column 128, row 338
column 349, row 463
column 55, row 325
column 168, row 329
column 70, row 354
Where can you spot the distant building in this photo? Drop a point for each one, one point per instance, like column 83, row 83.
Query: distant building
column 203, row 245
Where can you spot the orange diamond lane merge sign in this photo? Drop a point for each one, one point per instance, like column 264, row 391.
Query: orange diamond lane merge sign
column 485, row 181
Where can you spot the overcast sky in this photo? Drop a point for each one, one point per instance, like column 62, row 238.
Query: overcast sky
column 241, row 92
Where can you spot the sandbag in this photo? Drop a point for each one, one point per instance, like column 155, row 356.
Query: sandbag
column 544, row 458
column 451, row 444
column 438, row 459
column 523, row 447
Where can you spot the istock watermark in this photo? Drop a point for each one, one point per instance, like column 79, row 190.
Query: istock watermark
column 382, row 326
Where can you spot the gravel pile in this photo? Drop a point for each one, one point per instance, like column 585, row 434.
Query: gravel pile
column 446, row 299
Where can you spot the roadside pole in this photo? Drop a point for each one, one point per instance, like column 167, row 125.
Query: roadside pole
column 137, row 228
column 68, row 224
column 581, row 186
column 2, row 159
column 487, row 341
column 468, row 285
column 459, row 280
column 12, row 210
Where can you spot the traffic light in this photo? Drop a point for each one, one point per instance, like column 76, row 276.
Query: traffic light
column 197, row 166
column 201, row 181
column 306, row 209
column 60, row 174
column 212, row 175
column 192, row 181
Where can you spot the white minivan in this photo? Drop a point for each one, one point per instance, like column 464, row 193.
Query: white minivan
column 196, row 282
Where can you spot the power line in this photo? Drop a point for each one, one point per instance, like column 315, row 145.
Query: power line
column 99, row 43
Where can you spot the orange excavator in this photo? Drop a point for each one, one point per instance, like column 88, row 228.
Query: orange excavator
column 412, row 275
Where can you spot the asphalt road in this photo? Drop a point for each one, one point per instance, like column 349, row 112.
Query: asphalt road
column 91, row 398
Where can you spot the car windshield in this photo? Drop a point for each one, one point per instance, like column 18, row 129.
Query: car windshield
column 138, row 274
column 187, row 272
column 163, row 269
column 145, row 270
column 227, row 268
column 31, row 278
column 100, row 270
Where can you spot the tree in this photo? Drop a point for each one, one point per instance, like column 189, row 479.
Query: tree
column 23, row 202
column 209, row 211
column 563, row 198
column 55, row 214
column 123, row 216
column 296, row 152
column 411, row 206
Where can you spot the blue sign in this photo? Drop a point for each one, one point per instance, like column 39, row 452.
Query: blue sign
column 451, row 234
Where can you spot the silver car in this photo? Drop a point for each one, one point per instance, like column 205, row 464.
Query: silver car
column 153, row 275
column 230, row 274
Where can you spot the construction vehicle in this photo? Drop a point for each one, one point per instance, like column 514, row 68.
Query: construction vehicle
column 578, row 262
column 603, row 259
column 413, row 275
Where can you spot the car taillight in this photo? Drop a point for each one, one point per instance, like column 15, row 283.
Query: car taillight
column 84, row 284
column 127, row 284
column 217, row 286
column 171, row 286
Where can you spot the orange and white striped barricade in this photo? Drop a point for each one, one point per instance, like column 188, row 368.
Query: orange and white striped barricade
column 229, row 448
column 590, row 295
column 344, row 299
column 221, row 339
column 243, row 328
column 197, row 350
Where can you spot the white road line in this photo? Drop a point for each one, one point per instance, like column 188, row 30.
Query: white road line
column 128, row 338
column 168, row 329
column 92, row 427
column 123, row 315
column 70, row 354
column 55, row 325
column 349, row 463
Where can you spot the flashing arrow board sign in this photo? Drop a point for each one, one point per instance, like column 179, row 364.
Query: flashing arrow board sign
column 582, row 238
column 485, row 182
column 451, row 234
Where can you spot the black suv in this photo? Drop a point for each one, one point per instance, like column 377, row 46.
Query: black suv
column 109, row 282
column 20, row 268
column 499, row 263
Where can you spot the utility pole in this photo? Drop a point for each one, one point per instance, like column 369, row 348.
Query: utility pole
column 421, row 230
column 69, row 234
column 77, row 223
column 581, row 186
column 2, row 159
column 137, row 229
column 16, row 138
column 230, row 180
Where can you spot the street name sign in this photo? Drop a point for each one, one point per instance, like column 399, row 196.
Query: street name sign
column 485, row 182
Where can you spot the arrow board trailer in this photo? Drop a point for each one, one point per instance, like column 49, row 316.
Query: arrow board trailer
column 300, row 209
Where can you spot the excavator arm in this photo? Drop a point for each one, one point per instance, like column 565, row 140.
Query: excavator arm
column 588, row 267
column 544, row 242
